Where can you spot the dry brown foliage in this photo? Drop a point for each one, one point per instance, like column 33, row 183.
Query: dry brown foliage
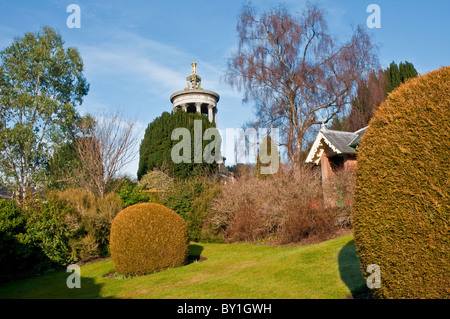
column 340, row 187
column 286, row 207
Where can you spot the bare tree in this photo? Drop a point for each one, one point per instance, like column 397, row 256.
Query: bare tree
column 294, row 71
column 104, row 148
column 371, row 93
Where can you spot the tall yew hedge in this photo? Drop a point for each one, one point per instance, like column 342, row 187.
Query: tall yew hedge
column 156, row 147
column 402, row 196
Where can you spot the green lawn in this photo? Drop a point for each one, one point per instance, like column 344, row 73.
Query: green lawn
column 326, row 270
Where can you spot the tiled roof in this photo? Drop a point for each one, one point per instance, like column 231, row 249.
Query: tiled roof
column 340, row 142
column 358, row 138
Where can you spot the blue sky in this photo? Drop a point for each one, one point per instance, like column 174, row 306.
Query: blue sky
column 137, row 53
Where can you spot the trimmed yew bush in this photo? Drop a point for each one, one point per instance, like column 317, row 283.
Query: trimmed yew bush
column 402, row 196
column 148, row 237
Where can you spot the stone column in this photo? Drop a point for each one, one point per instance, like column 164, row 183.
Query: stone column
column 215, row 115
column 184, row 107
column 198, row 107
column 210, row 112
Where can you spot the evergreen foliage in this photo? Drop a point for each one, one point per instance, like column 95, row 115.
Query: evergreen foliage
column 398, row 74
column 148, row 237
column 156, row 147
column 402, row 196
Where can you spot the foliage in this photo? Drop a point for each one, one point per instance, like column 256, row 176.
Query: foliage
column 104, row 147
column 41, row 83
column 17, row 256
column 190, row 199
column 240, row 169
column 307, row 222
column 373, row 90
column 398, row 74
column 47, row 230
column 275, row 208
column 340, row 187
column 402, row 196
column 54, row 231
column 148, row 237
column 156, row 147
column 63, row 170
column 89, row 218
column 264, row 154
column 132, row 193
column 156, row 180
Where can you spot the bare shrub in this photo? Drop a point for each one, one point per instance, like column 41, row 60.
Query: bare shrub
column 286, row 207
column 319, row 224
column 340, row 187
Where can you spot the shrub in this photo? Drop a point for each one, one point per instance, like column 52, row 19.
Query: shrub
column 402, row 196
column 16, row 255
column 307, row 223
column 191, row 199
column 89, row 218
column 54, row 231
column 340, row 187
column 285, row 206
column 47, row 230
column 156, row 180
column 131, row 193
column 148, row 237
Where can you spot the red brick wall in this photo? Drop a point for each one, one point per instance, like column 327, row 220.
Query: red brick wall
column 327, row 173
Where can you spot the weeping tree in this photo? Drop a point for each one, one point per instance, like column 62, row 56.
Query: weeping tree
column 41, row 83
column 294, row 71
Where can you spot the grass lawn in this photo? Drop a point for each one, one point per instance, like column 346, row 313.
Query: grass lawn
column 325, row 270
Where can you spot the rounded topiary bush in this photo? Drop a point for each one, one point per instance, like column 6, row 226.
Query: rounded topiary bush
column 402, row 195
column 148, row 237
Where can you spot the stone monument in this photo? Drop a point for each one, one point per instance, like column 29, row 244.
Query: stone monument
column 194, row 99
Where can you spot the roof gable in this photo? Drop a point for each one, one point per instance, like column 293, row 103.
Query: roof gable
column 340, row 142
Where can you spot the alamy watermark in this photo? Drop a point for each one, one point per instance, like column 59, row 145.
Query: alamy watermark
column 74, row 280
column 74, row 19
column 374, row 20
column 374, row 279
column 239, row 146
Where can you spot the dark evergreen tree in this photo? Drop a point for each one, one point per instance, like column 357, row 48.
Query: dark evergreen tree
column 407, row 71
column 398, row 74
column 393, row 79
column 156, row 147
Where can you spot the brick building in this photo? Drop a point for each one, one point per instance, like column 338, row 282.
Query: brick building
column 333, row 151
